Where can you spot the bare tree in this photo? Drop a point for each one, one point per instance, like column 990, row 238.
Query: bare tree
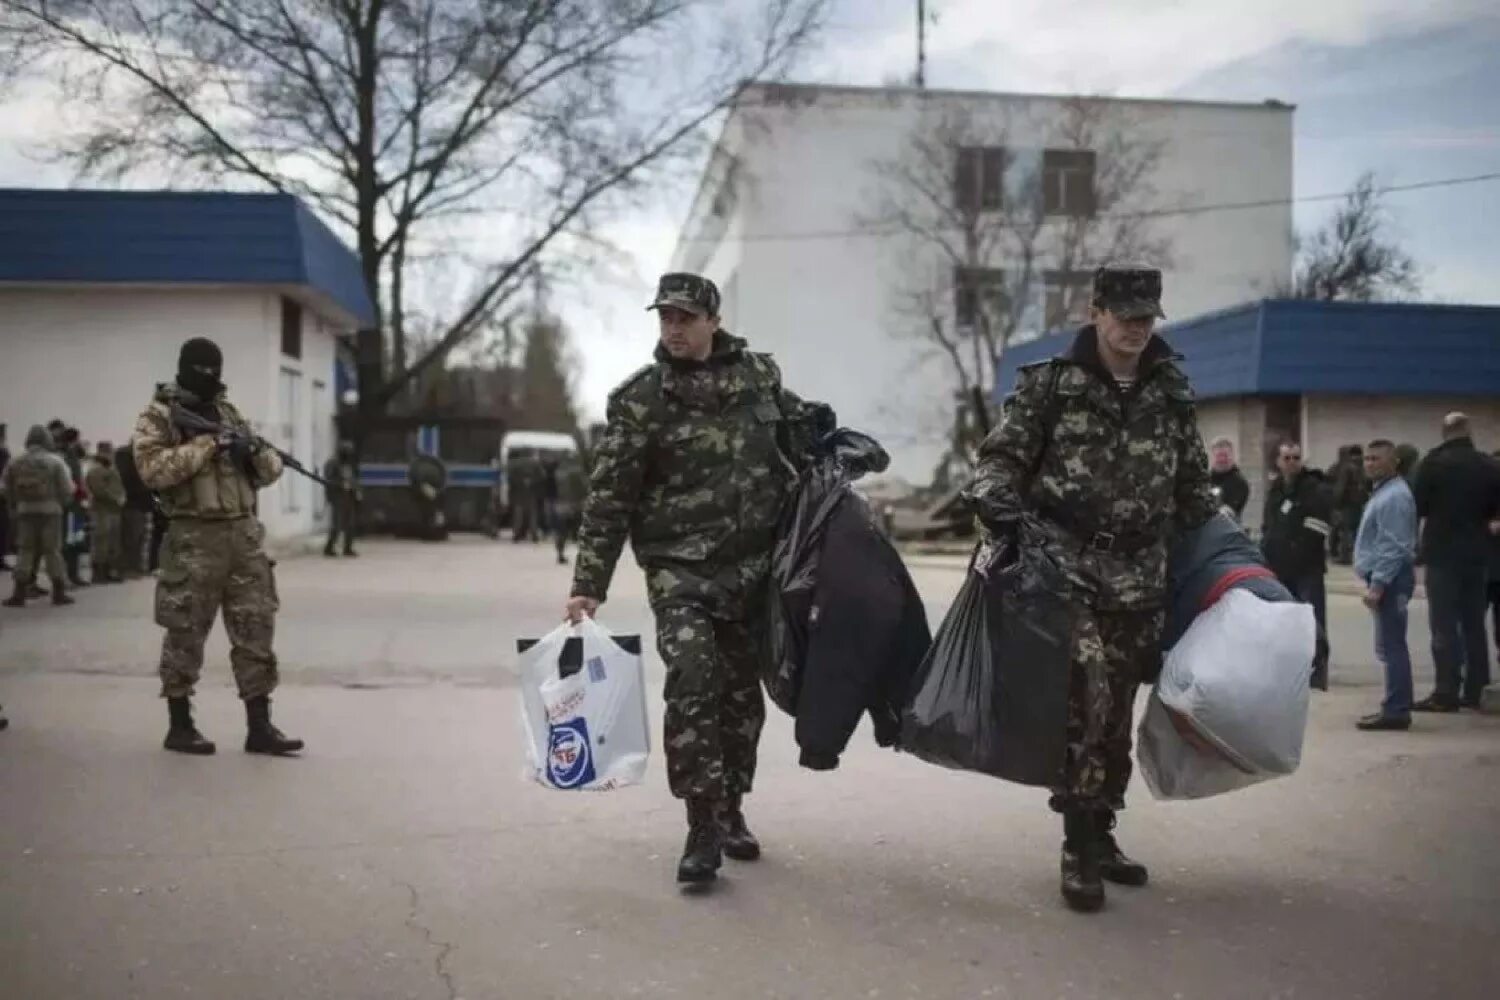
column 392, row 116
column 1000, row 239
column 1002, row 225
column 1353, row 256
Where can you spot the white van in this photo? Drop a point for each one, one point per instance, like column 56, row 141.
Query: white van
column 529, row 444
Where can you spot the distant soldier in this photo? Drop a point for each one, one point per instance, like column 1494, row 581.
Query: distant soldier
column 572, row 489
column 39, row 488
column 342, row 492
column 1101, row 445
column 212, row 557
column 524, row 476
column 107, row 504
column 692, row 469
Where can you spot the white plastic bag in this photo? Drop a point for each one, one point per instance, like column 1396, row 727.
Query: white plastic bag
column 1237, row 681
column 583, row 708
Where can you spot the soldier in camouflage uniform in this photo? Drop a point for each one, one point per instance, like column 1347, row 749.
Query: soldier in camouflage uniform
column 694, row 468
column 38, row 487
column 212, row 557
column 106, row 504
column 1102, row 445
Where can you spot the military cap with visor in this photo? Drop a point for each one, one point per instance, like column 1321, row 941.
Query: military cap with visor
column 688, row 292
column 1130, row 291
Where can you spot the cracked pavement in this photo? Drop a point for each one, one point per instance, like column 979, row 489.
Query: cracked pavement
column 402, row 856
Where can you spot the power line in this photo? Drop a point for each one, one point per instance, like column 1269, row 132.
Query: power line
column 1151, row 213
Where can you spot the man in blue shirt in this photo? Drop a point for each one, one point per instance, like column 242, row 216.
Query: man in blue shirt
column 1385, row 553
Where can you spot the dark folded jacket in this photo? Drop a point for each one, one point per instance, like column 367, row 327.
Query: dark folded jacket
column 848, row 629
column 1206, row 563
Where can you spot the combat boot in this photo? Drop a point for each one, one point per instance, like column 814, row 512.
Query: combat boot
column 1082, row 885
column 701, row 854
column 59, row 594
column 17, row 599
column 183, row 736
column 739, row 843
column 261, row 736
column 1113, row 864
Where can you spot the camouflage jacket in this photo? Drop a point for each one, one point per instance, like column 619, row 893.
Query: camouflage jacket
column 191, row 475
column 1116, row 476
column 106, row 489
column 694, row 467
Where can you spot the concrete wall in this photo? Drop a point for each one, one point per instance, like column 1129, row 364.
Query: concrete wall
column 93, row 356
column 814, row 285
column 1333, row 421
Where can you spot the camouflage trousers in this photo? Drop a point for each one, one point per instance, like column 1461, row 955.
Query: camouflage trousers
column 104, row 558
column 715, row 708
column 1113, row 653
column 38, row 542
column 207, row 566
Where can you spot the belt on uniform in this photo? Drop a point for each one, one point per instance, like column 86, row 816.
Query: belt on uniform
column 1109, row 542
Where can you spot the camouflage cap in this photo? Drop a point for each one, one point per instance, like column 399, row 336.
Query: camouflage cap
column 689, row 292
column 1128, row 290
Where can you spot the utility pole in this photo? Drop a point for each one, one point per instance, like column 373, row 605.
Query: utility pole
column 921, row 44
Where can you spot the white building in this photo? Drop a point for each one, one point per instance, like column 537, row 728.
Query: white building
column 787, row 221
column 98, row 290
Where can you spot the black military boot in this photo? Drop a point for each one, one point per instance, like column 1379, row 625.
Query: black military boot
column 261, row 736
column 739, row 843
column 183, row 736
column 1082, row 886
column 701, row 854
column 59, row 594
column 1113, row 864
column 17, row 599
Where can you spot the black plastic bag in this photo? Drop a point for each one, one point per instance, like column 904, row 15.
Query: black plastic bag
column 992, row 694
column 838, row 459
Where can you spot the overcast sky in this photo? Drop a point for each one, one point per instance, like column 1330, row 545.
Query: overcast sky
column 1406, row 89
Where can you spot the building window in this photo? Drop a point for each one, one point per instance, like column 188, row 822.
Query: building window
column 1068, row 182
column 978, row 178
column 291, row 328
column 289, row 403
column 978, row 292
column 1065, row 298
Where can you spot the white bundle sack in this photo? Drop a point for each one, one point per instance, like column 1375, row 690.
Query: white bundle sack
column 1237, row 684
column 583, row 709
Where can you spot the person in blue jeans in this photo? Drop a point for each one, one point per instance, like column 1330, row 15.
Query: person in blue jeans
column 1385, row 554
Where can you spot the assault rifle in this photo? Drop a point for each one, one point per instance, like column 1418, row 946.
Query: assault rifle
column 189, row 421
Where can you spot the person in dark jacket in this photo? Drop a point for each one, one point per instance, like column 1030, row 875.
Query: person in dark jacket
column 1351, row 488
column 1295, row 527
column 1229, row 484
column 1458, row 495
column 4, row 507
column 1494, row 583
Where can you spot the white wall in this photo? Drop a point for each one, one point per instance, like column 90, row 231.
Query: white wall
column 1331, row 422
column 93, row 356
column 826, row 306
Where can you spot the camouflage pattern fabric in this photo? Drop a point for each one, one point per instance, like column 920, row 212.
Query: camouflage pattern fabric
column 38, row 482
column 38, row 540
column 691, row 469
column 1097, row 462
column 105, row 487
column 1113, row 655
column 189, row 473
column 105, row 543
column 1124, row 463
column 715, row 709
column 208, row 566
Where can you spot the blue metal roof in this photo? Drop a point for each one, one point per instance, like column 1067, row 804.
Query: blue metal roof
column 1301, row 347
column 176, row 237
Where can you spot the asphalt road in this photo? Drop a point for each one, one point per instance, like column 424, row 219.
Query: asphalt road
column 402, row 856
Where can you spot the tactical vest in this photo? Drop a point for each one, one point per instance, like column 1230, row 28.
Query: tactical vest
column 33, row 483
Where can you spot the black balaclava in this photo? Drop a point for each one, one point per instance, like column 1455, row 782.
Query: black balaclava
column 199, row 366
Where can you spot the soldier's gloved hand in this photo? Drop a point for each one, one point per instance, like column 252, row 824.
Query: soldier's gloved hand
column 223, row 441
column 242, row 451
column 577, row 607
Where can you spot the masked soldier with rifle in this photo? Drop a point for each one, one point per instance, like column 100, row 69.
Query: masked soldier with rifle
column 194, row 449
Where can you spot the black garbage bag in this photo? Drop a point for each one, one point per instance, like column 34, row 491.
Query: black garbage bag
column 839, row 458
column 992, row 694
